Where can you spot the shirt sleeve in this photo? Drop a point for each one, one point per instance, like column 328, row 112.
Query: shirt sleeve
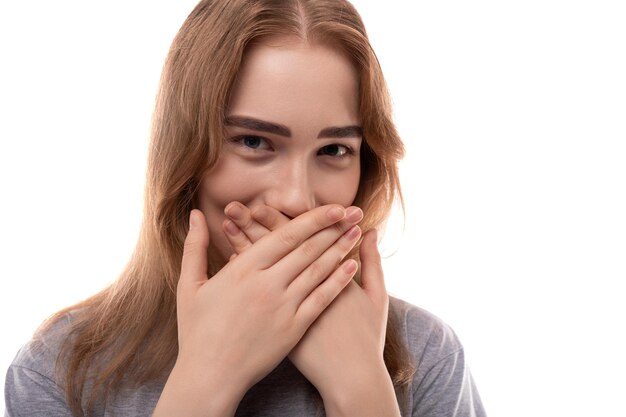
column 447, row 390
column 27, row 393
column 442, row 385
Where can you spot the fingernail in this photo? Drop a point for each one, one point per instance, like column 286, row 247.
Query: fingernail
column 350, row 266
column 354, row 214
column 336, row 213
column 230, row 227
column 233, row 210
column 192, row 220
column 353, row 233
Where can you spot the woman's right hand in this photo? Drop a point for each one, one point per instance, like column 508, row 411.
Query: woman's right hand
column 234, row 328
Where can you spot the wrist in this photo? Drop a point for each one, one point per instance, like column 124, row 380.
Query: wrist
column 365, row 392
column 189, row 393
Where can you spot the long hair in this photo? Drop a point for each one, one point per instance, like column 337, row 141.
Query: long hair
column 127, row 333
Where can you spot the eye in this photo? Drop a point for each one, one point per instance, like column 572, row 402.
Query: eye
column 252, row 142
column 336, row 151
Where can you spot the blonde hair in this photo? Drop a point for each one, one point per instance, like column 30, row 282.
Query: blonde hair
column 127, row 333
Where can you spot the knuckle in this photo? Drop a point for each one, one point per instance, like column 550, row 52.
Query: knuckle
column 289, row 238
column 247, row 222
column 316, row 270
column 309, row 249
column 320, row 300
column 194, row 242
column 238, row 247
column 192, row 253
column 236, row 239
column 375, row 261
column 264, row 215
column 191, row 245
column 321, row 219
column 338, row 260
column 259, row 213
column 346, row 244
column 340, row 228
column 271, row 219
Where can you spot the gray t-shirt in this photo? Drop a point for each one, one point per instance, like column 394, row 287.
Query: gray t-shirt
column 441, row 387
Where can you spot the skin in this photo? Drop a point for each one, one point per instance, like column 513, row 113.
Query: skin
column 285, row 290
column 352, row 381
column 286, row 82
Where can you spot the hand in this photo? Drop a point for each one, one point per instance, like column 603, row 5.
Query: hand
column 236, row 327
column 346, row 342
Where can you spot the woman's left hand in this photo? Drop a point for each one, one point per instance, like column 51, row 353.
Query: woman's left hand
column 342, row 352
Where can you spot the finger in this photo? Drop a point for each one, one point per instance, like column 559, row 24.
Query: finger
column 311, row 249
column 325, row 293
column 372, row 276
column 269, row 217
column 320, row 269
column 194, row 264
column 272, row 219
column 240, row 215
column 237, row 239
column 276, row 245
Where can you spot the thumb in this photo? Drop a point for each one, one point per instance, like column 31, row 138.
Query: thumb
column 372, row 277
column 193, row 271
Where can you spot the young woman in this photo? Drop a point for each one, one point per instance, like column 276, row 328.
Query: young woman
column 273, row 152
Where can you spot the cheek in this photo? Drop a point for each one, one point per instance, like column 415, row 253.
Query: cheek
column 228, row 181
column 339, row 189
column 235, row 180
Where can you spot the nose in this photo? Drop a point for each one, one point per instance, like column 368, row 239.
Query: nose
column 293, row 190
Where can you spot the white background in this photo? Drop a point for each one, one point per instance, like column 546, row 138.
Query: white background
column 514, row 118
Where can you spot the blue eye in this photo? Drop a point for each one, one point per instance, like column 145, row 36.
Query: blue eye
column 252, row 142
column 336, row 151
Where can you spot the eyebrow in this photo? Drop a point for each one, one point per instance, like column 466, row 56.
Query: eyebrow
column 282, row 130
column 341, row 132
column 258, row 125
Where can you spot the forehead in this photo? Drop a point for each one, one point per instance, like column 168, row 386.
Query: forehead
column 283, row 79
